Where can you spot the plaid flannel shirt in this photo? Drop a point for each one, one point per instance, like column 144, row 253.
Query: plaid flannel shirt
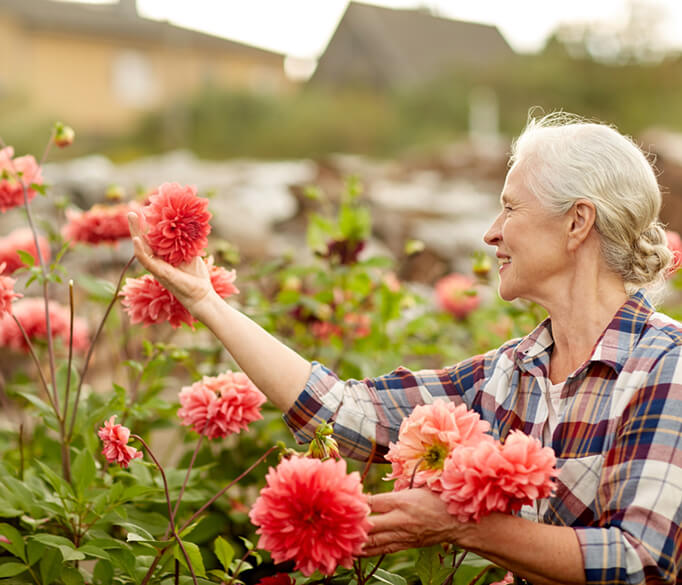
column 618, row 442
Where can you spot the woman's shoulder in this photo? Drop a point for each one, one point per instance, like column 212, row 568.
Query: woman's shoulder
column 664, row 327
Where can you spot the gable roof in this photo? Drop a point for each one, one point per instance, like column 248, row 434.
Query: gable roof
column 119, row 20
column 389, row 47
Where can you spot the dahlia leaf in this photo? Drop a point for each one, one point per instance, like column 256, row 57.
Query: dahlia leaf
column 83, row 472
column 16, row 542
column 50, row 566
column 429, row 567
column 11, row 569
column 388, row 577
column 26, row 258
column 194, row 554
column 63, row 545
column 71, row 576
column 224, row 551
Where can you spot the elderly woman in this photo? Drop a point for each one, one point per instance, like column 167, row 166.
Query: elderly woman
column 600, row 380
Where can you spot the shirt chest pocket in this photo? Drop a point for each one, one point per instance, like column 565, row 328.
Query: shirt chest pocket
column 575, row 498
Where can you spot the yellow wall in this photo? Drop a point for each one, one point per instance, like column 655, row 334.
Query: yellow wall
column 70, row 78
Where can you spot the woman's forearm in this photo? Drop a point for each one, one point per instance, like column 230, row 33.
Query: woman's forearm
column 278, row 371
column 542, row 553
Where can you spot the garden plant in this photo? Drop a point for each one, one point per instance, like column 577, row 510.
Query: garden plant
column 133, row 450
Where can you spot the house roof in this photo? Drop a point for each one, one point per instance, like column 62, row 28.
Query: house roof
column 118, row 20
column 399, row 46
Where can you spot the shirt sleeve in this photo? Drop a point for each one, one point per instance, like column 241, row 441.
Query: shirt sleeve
column 640, row 493
column 367, row 412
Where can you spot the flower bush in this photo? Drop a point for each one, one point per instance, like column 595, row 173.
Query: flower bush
column 132, row 450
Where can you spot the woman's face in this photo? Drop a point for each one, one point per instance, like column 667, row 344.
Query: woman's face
column 531, row 244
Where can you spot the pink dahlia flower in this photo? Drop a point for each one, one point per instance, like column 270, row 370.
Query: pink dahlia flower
column 480, row 479
column 427, row 437
column 178, row 223
column 115, row 439
column 7, row 294
column 675, row 246
column 456, row 294
column 14, row 172
column 220, row 405
column 146, row 301
column 101, row 224
column 30, row 312
column 222, row 279
column 313, row 512
column 21, row 239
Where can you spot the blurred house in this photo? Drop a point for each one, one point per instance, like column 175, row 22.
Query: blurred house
column 386, row 47
column 97, row 66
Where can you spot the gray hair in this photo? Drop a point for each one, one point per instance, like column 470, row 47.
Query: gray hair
column 566, row 158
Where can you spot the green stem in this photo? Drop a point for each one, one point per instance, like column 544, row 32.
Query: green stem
column 480, row 574
column 189, row 471
column 229, row 485
column 374, row 569
column 159, row 554
column 170, row 506
column 37, row 363
column 92, row 347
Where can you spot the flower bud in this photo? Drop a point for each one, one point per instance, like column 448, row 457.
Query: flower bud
column 293, row 283
column 323, row 445
column 114, row 193
column 63, row 135
column 481, row 264
column 323, row 312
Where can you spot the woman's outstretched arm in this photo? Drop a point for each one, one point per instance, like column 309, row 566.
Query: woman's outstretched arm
column 278, row 371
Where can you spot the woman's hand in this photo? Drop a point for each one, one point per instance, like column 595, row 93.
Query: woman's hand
column 190, row 283
column 409, row 519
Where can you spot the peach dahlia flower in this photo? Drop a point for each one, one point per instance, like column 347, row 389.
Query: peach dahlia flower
column 427, row 437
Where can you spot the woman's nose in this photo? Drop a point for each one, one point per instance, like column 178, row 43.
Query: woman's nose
column 493, row 235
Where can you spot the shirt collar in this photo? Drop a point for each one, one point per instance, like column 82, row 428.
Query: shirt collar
column 613, row 347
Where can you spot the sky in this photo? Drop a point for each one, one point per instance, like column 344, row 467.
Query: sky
column 302, row 28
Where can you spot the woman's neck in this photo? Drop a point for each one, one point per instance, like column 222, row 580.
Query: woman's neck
column 579, row 317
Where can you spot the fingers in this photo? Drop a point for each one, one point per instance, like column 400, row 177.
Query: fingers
column 373, row 548
column 382, row 503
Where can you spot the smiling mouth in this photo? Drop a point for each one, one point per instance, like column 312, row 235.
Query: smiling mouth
column 502, row 261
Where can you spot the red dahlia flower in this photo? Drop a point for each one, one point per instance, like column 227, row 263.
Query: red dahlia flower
column 7, row 294
column 222, row 279
column 21, row 239
column 14, row 172
column 30, row 312
column 457, row 295
column 146, row 301
column 220, row 405
column 278, row 579
column 313, row 512
column 178, row 223
column 101, row 224
column 115, row 439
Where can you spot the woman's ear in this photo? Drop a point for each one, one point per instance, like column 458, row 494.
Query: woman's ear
column 582, row 216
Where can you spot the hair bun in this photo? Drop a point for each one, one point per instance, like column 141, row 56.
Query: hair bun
column 650, row 255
